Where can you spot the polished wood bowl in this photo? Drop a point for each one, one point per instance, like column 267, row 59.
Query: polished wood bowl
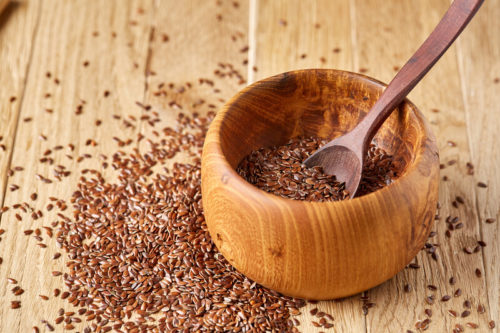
column 308, row 249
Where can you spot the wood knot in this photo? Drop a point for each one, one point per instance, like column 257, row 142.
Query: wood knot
column 276, row 252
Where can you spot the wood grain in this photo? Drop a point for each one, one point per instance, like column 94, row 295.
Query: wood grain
column 192, row 69
column 69, row 34
column 480, row 78
column 383, row 49
column 371, row 36
column 291, row 35
column 307, row 249
column 20, row 20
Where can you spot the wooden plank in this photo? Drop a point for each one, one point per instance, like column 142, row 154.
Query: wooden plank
column 189, row 68
column 479, row 54
column 302, row 34
column 21, row 20
column 307, row 34
column 385, row 40
column 197, row 42
column 70, row 33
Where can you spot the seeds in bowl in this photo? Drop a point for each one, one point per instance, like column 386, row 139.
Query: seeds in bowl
column 279, row 170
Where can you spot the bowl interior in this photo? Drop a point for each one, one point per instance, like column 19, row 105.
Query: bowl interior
column 325, row 103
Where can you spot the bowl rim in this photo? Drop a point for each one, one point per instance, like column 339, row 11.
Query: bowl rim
column 244, row 184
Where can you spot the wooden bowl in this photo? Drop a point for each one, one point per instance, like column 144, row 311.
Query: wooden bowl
column 309, row 249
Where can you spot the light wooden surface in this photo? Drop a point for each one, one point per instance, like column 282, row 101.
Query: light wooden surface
column 373, row 36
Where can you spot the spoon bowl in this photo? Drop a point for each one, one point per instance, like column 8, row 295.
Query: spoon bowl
column 317, row 250
column 348, row 164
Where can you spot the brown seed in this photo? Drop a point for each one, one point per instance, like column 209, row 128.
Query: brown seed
column 481, row 184
column 472, row 325
column 478, row 272
column 491, row 324
column 18, row 291
column 45, row 298
column 173, row 253
column 35, row 329
column 49, row 327
column 445, row 298
column 15, row 304
column 481, row 309
column 465, row 313
column 452, row 313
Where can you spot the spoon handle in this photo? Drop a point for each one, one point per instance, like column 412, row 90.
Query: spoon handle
column 451, row 25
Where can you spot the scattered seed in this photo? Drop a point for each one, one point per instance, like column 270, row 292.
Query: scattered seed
column 472, row 325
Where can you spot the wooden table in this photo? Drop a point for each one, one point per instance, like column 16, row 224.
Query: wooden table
column 129, row 47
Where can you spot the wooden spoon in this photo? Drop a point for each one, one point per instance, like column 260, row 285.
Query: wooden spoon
column 344, row 156
column 3, row 4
